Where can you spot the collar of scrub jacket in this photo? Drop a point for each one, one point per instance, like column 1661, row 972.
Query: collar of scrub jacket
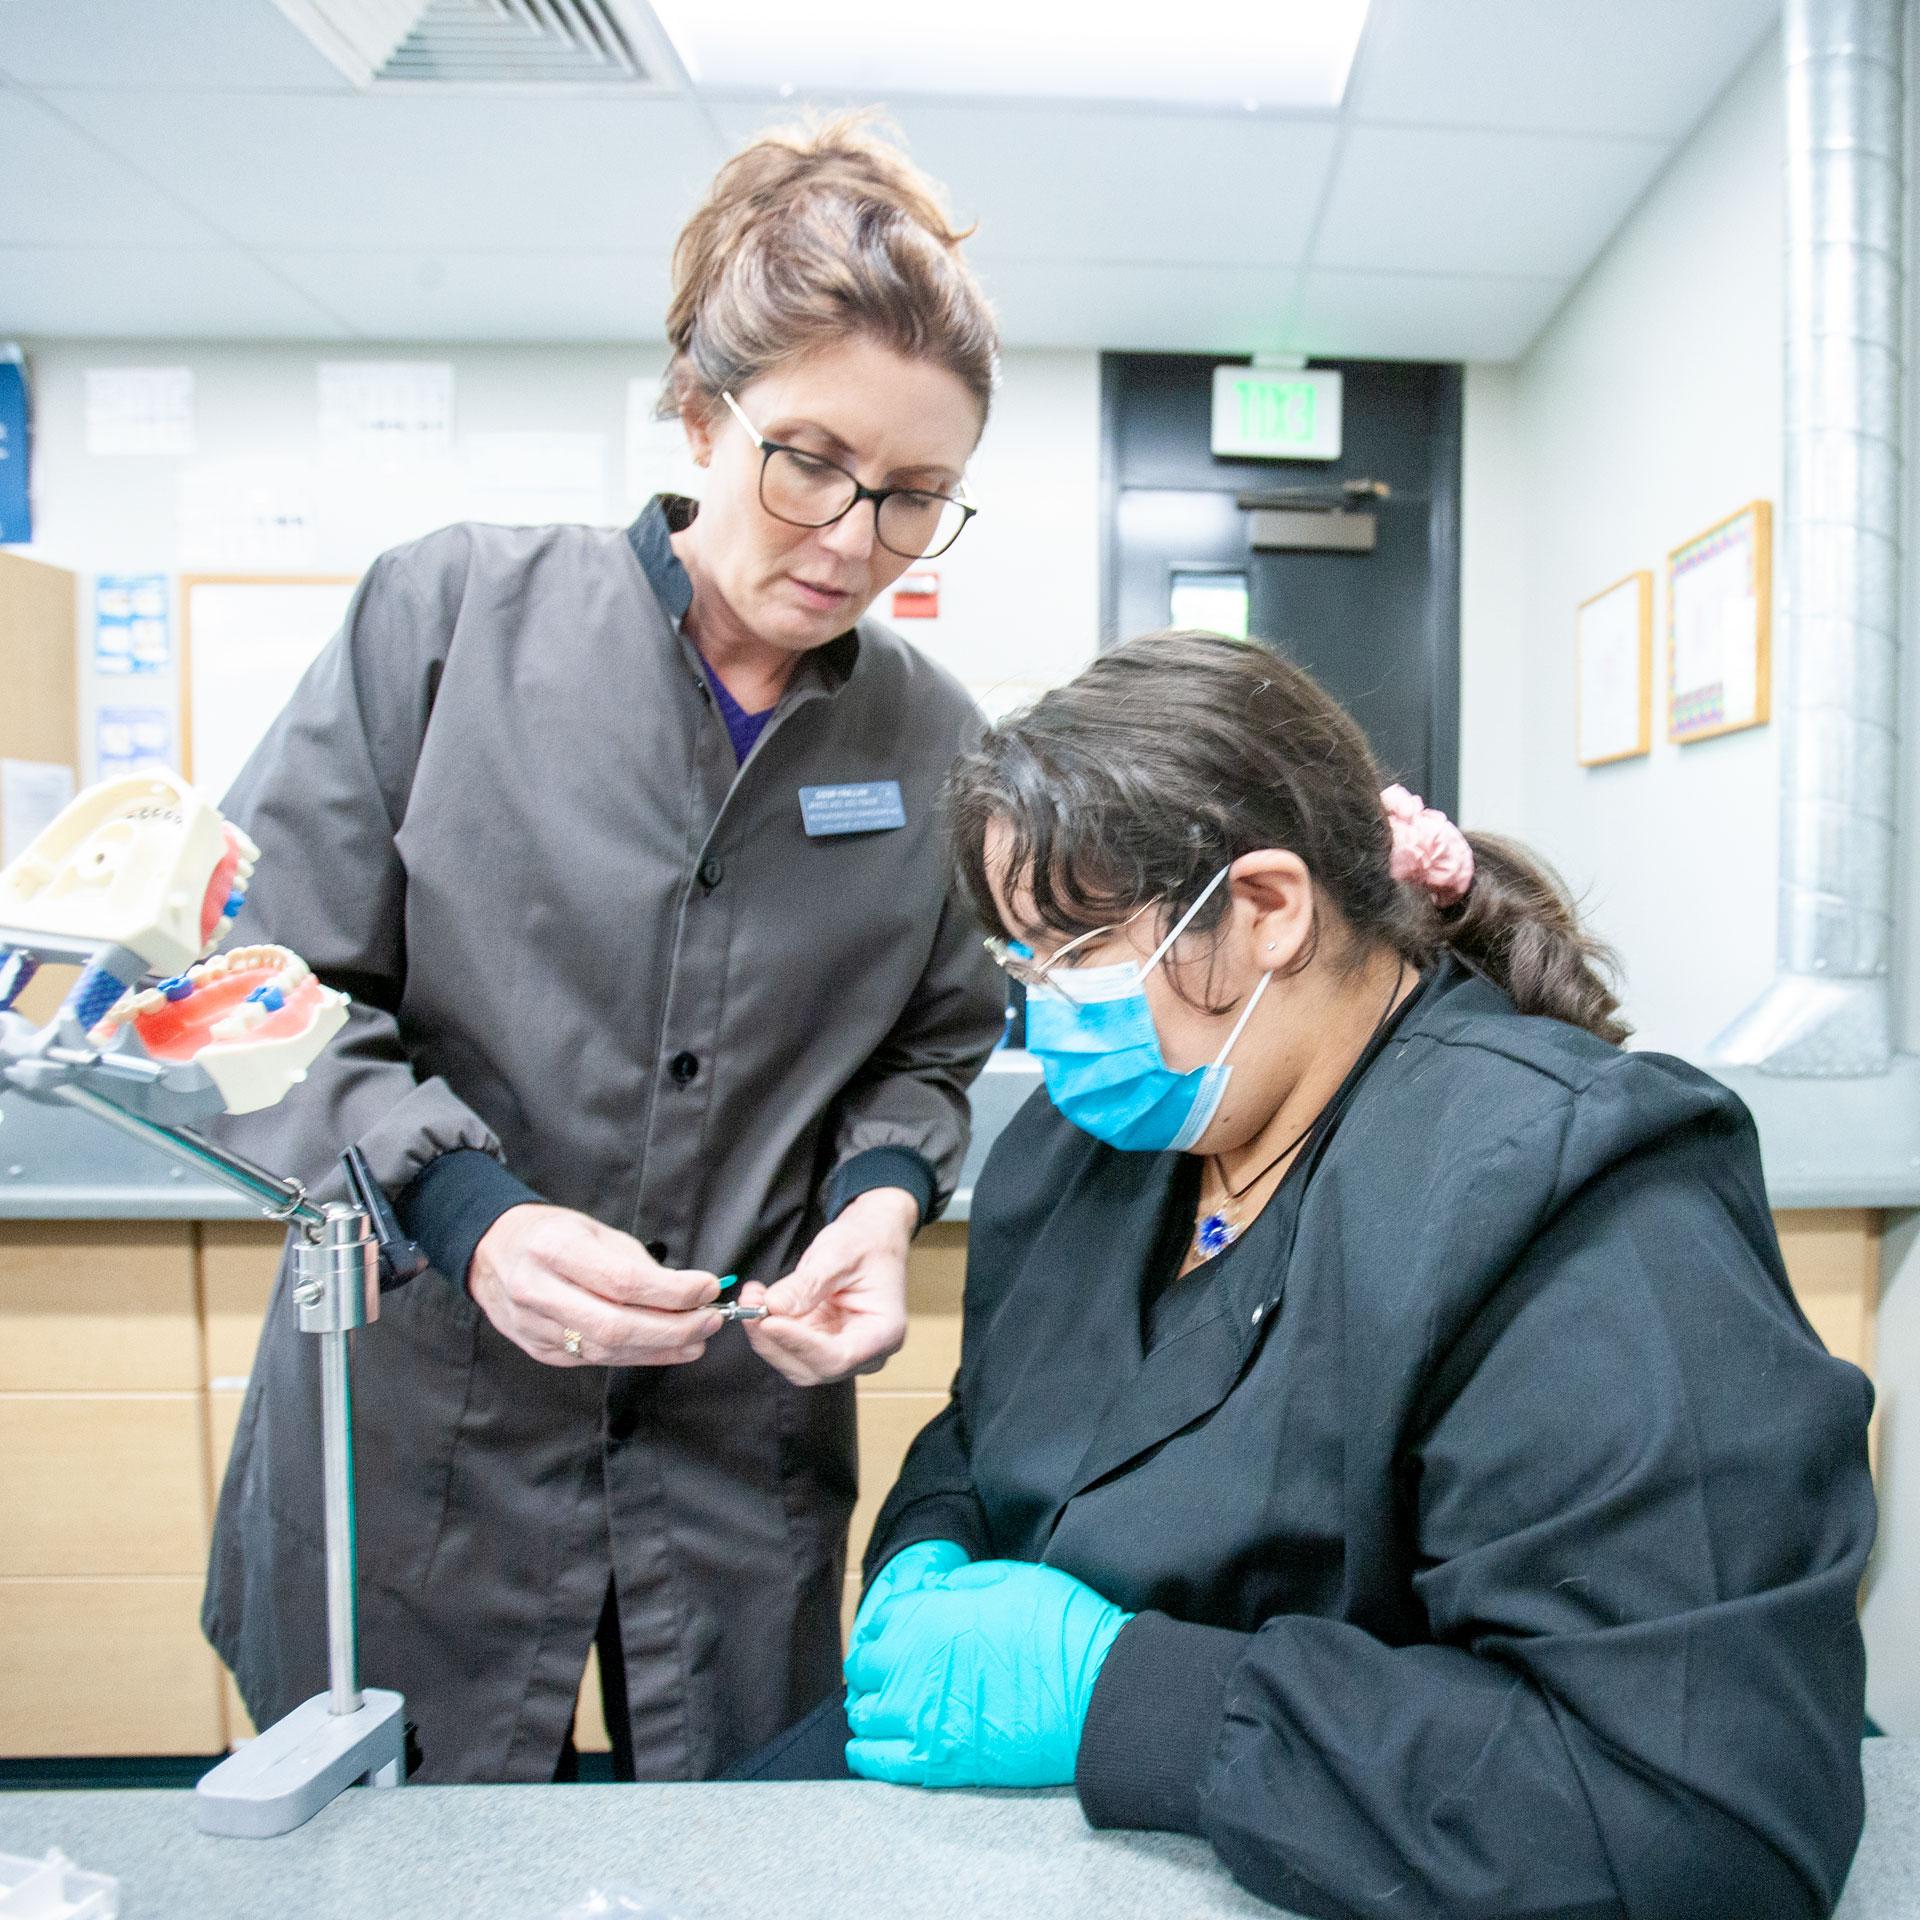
column 651, row 538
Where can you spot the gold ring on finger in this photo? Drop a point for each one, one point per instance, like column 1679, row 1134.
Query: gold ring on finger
column 570, row 1339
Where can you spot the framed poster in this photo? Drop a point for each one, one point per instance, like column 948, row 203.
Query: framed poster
column 245, row 640
column 1613, row 635
column 1720, row 627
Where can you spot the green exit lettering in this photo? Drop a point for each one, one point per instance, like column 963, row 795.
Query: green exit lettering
column 1275, row 413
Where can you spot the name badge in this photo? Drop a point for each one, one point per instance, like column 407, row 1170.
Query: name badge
column 859, row 806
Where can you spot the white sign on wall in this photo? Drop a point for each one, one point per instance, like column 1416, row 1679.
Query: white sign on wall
column 380, row 410
column 1276, row 413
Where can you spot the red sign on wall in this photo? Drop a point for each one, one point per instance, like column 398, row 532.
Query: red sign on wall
column 916, row 596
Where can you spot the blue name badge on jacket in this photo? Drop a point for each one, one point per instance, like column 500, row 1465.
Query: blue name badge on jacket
column 856, row 806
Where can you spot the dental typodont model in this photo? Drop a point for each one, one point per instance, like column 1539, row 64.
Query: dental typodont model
column 137, row 877
column 251, row 1020
column 141, row 877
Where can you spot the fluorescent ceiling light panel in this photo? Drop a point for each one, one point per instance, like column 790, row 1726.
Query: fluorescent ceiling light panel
column 1266, row 53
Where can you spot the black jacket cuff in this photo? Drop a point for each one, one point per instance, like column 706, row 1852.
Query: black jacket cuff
column 882, row 1167
column 937, row 1516
column 451, row 1203
column 1152, row 1724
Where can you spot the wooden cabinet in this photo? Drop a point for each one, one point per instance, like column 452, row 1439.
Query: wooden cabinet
column 40, row 715
column 124, row 1349
column 103, row 1493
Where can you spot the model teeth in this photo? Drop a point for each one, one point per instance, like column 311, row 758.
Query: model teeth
column 289, row 972
column 240, row 1022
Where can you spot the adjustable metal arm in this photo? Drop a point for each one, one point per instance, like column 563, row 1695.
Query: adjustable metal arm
column 139, row 878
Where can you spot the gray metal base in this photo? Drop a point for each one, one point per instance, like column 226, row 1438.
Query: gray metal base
column 282, row 1779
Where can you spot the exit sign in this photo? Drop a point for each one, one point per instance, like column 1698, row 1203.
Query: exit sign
column 1268, row 413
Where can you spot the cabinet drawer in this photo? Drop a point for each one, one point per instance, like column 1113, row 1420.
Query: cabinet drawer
column 223, row 1422
column 238, row 1260
column 936, row 1275
column 102, row 1484
column 1832, row 1256
column 888, row 1424
column 106, row 1667
column 101, row 1306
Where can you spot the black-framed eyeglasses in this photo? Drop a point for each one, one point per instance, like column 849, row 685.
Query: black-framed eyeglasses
column 807, row 490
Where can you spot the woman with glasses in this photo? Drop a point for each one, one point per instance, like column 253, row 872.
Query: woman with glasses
column 1385, row 1444
column 624, row 844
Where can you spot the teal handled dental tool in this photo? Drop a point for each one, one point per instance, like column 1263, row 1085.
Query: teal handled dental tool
column 732, row 1309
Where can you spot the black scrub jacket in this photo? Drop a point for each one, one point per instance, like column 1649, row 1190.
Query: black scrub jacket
column 1494, row 1533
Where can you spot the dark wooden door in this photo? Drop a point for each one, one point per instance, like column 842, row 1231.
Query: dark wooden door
column 1380, row 630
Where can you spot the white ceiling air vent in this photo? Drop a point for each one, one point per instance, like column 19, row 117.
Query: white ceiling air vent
column 516, row 44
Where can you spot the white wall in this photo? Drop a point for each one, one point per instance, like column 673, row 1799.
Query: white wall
column 1649, row 409
column 1019, row 594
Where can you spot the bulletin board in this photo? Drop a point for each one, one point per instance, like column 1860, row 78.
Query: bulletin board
column 1720, row 627
column 245, row 640
column 1613, row 637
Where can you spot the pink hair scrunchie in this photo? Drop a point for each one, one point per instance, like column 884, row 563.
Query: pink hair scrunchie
column 1428, row 849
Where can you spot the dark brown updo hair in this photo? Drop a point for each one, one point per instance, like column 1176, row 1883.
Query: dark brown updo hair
column 808, row 235
column 1171, row 756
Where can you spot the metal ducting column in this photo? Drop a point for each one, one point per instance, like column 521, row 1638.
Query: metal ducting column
column 1829, row 1010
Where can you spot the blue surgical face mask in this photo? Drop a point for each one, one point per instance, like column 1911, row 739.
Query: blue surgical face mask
column 1100, row 1053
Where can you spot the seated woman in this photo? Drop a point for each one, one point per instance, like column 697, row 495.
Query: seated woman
column 1385, row 1443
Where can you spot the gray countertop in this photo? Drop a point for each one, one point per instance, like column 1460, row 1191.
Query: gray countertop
column 798, row 1852
column 1826, row 1143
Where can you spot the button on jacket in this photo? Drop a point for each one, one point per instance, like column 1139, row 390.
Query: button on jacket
column 503, row 812
column 1493, row 1531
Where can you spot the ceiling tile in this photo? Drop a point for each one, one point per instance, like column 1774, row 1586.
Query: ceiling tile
column 204, row 44
column 1415, row 316
column 1122, row 305
column 63, row 191
column 1111, row 185
column 120, row 291
column 439, row 295
column 397, row 170
column 1644, row 67
column 1414, row 200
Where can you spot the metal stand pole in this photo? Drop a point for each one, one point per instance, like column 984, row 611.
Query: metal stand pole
column 343, row 1629
column 299, row 1764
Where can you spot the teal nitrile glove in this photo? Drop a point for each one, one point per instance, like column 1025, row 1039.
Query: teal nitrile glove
column 979, row 1678
column 911, row 1567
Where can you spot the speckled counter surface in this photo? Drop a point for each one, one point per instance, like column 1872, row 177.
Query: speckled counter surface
column 795, row 1852
column 798, row 1852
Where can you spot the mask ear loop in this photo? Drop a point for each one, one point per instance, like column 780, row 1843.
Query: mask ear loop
column 1246, row 1014
column 1180, row 927
column 1185, row 920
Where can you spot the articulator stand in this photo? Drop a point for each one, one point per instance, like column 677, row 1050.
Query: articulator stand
column 349, row 1733
column 139, row 876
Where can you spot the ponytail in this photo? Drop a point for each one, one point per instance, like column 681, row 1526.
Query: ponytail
column 1518, row 926
column 1169, row 757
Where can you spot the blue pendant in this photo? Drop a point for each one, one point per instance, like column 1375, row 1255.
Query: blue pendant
column 1217, row 1233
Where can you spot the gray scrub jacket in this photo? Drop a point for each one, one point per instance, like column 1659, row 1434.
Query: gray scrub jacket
column 503, row 813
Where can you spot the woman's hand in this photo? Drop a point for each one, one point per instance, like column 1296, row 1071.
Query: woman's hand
column 912, row 1567
column 843, row 1309
column 978, row 1677
column 541, row 1272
